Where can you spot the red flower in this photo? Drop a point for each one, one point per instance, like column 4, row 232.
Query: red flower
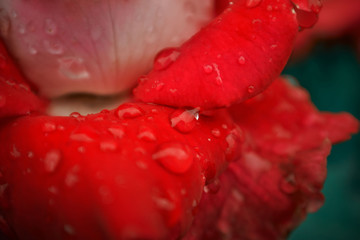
column 145, row 171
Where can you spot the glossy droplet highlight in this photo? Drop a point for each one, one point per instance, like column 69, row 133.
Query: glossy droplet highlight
column 108, row 146
column 216, row 132
column 165, row 58
column 175, row 157
column 54, row 48
column 208, row 69
column 146, row 134
column 49, row 127
column 52, row 160
column 117, row 132
column 184, row 120
column 128, row 111
column 241, row 60
column 250, row 89
column 252, row 3
column 50, row 27
column 73, row 68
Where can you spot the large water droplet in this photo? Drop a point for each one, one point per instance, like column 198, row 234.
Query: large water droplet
column 52, row 160
column 252, row 3
column 50, row 27
column 54, row 48
column 73, row 68
column 184, row 120
column 175, row 157
column 128, row 111
column 165, row 58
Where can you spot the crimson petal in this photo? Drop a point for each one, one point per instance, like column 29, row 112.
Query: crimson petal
column 233, row 58
column 278, row 179
column 122, row 174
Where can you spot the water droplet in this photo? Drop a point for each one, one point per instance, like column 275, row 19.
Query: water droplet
column 108, row 146
column 117, row 132
column 165, row 58
column 256, row 21
column 173, row 156
column 72, row 178
column 164, row 203
column 252, row 3
column 184, row 120
column 273, row 46
column 50, row 27
column 232, row 140
column 269, row 8
column 128, row 111
column 54, row 48
column 218, row 79
column 251, row 89
column 73, row 68
column 53, row 190
column 52, row 160
column 32, row 50
column 288, row 184
column 141, row 165
column 15, row 152
column 22, row 29
column 208, row 69
column 241, row 60
column 49, row 127
column 69, row 229
column 146, row 134
column 81, row 137
column 216, row 132
column 213, row 187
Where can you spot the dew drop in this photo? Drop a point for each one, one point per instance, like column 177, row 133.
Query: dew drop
column 22, row 29
column 173, row 156
column 108, row 146
column 163, row 203
column 54, row 48
column 81, row 137
column 128, row 111
column 72, row 178
column 213, row 187
column 52, row 160
column 184, row 120
column 241, row 60
column 32, row 50
column 146, row 134
column 252, row 3
column 117, row 132
column 50, row 27
column 165, row 58
column 251, row 89
column 73, row 68
column 49, row 127
column 208, row 69
column 216, row 132
column 15, row 152
column 232, row 140
column 269, row 8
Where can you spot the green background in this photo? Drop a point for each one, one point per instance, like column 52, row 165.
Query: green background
column 331, row 73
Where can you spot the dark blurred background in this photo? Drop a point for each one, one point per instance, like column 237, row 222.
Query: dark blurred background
column 331, row 73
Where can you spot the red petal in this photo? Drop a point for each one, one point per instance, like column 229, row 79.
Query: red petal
column 118, row 174
column 16, row 97
column 235, row 57
column 269, row 191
